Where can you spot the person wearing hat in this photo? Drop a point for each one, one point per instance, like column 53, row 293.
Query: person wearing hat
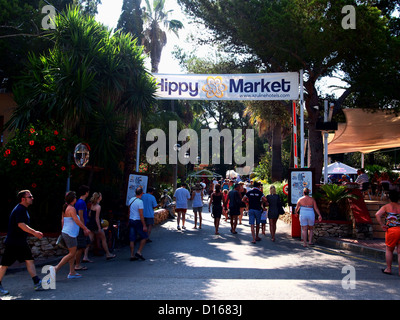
column 166, row 203
column 197, row 196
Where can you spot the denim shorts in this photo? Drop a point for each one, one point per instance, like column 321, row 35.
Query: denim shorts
column 254, row 216
column 136, row 230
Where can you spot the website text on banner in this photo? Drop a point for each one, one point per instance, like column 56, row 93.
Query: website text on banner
column 258, row 86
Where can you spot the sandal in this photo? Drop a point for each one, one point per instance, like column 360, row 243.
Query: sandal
column 385, row 272
column 87, row 261
column 82, row 268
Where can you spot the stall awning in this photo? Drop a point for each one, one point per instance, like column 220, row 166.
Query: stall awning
column 365, row 132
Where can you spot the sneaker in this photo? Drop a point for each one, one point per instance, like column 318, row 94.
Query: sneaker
column 74, row 276
column 179, row 228
column 38, row 286
column 3, row 291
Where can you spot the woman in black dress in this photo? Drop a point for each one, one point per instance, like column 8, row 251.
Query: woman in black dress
column 216, row 202
column 273, row 213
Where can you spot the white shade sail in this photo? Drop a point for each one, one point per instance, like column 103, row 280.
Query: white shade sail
column 365, row 132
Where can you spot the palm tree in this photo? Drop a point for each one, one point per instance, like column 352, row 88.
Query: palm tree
column 335, row 195
column 271, row 117
column 154, row 38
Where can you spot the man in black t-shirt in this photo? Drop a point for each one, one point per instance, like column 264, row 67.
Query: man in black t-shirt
column 16, row 246
column 254, row 198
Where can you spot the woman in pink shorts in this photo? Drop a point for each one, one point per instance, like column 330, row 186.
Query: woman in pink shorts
column 389, row 218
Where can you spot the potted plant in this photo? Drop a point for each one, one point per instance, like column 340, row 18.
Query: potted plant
column 335, row 194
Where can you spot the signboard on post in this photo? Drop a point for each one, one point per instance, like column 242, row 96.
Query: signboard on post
column 136, row 181
column 298, row 180
column 257, row 86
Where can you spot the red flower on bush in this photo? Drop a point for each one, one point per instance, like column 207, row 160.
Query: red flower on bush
column 32, row 142
column 52, row 148
column 40, row 162
column 34, row 185
column 47, row 149
column 63, row 168
column 55, row 132
column 32, row 130
column 8, row 151
column 27, row 160
column 13, row 163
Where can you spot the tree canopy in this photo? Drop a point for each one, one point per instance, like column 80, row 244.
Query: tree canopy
column 92, row 81
column 290, row 35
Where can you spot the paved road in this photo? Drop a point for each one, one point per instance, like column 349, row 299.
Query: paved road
column 198, row 265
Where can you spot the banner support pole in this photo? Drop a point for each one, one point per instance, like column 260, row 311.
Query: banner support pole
column 301, row 119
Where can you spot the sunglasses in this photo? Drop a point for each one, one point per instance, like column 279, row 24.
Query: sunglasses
column 29, row 197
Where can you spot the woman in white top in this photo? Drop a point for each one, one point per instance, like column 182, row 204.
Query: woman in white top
column 197, row 205
column 70, row 228
column 307, row 207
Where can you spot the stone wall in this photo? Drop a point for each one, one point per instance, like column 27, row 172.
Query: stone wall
column 46, row 247
column 333, row 229
column 41, row 248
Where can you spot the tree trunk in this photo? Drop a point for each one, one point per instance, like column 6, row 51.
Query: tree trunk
column 316, row 141
column 130, row 156
column 276, row 160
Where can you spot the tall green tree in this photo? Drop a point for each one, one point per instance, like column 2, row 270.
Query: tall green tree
column 154, row 37
column 21, row 32
column 131, row 19
column 290, row 35
column 92, row 81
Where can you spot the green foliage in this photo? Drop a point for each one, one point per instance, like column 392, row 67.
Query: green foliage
column 334, row 193
column 92, row 81
column 38, row 158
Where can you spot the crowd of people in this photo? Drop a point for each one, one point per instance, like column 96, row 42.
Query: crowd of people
column 231, row 199
column 81, row 226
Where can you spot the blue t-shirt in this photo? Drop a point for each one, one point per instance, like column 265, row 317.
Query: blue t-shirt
column 149, row 203
column 81, row 205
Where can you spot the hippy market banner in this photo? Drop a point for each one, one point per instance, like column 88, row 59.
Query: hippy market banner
column 256, row 86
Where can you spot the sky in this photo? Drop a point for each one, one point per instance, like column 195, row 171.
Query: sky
column 110, row 10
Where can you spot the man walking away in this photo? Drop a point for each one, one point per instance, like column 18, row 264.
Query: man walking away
column 254, row 198
column 149, row 204
column 137, row 225
column 181, row 197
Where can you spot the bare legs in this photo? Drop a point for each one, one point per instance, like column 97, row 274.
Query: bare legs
column 69, row 258
column 304, row 235
column 272, row 228
column 389, row 258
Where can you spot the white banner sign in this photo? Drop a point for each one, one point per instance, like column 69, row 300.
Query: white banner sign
column 256, row 86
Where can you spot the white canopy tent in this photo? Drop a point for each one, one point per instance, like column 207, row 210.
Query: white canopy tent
column 203, row 174
column 340, row 168
column 231, row 174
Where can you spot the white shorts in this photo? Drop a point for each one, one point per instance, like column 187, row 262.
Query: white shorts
column 307, row 217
